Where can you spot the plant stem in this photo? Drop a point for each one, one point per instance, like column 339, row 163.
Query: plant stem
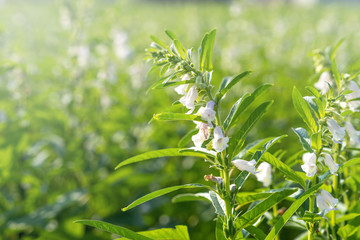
column 311, row 209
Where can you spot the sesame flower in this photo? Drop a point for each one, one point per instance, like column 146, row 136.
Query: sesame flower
column 244, row 165
column 309, row 166
column 326, row 202
column 337, row 131
column 220, row 142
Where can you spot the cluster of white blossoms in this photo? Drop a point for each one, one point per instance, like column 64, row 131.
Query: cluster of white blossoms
column 309, row 166
column 207, row 114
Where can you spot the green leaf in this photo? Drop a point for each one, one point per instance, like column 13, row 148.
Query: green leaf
column 242, row 104
column 171, row 35
column 351, row 162
column 333, row 52
column 121, row 231
column 291, row 210
column 243, row 198
column 187, row 197
column 218, row 204
column 209, row 51
column 251, row 216
column 206, row 51
column 180, row 49
column 304, row 138
column 313, row 91
column 162, row 81
column 346, row 217
column 179, row 233
column 349, row 229
column 169, row 152
column 238, row 139
column 158, row 41
column 177, row 116
column 256, row 232
column 161, row 192
column 311, row 217
column 313, row 105
column 173, row 84
column 219, row 231
column 229, row 84
column 304, row 110
column 336, row 74
column 236, row 110
column 285, row 169
column 316, row 142
column 187, row 137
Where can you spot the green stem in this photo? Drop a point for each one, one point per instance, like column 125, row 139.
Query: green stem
column 311, row 209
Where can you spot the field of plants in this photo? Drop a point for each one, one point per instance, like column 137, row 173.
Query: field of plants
column 79, row 94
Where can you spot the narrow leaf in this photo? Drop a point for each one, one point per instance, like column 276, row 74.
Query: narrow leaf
column 257, row 233
column 304, row 138
column 210, row 50
column 180, row 232
column 171, row 35
column 243, row 198
column 169, row 152
column 158, row 41
column 253, row 214
column 176, row 116
column 161, row 192
column 187, row 197
column 186, row 138
column 304, row 110
column 218, row 204
column 316, row 142
column 285, row 169
column 230, row 83
column 239, row 137
column 121, row 231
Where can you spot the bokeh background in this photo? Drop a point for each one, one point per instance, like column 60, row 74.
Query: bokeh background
column 73, row 104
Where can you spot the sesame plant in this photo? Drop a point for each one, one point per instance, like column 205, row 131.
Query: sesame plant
column 219, row 141
column 314, row 194
column 328, row 113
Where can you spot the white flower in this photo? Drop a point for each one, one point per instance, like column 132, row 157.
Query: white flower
column 181, row 89
column 264, row 174
column 189, row 99
column 309, row 166
column 355, row 94
column 329, row 161
column 244, row 165
column 207, row 113
column 337, row 131
column 326, row 202
column 220, row 142
column 323, row 83
column 202, row 135
column 353, row 134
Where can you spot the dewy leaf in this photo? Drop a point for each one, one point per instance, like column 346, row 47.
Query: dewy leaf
column 230, row 83
column 291, row 210
column 176, row 117
column 161, row 192
column 239, row 137
column 304, row 138
column 285, row 169
column 242, row 104
column 218, row 204
column 169, row 152
column 180, row 232
column 253, row 214
column 304, row 110
column 121, row 231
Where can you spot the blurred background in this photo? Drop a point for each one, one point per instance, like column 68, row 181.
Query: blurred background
column 73, row 102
